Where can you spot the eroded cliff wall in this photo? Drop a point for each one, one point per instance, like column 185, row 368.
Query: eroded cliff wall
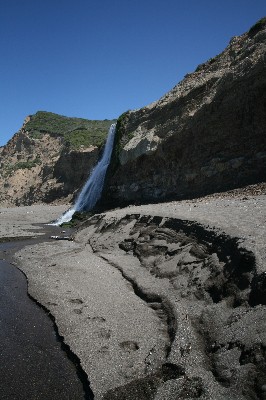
column 207, row 134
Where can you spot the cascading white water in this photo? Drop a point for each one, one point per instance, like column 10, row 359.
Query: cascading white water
column 92, row 190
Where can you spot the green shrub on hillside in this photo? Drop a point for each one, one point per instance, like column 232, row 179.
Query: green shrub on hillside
column 24, row 165
column 85, row 137
column 36, row 135
column 77, row 132
column 8, row 169
column 258, row 26
column 27, row 164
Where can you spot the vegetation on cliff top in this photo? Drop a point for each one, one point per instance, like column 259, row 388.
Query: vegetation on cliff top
column 121, row 138
column 259, row 25
column 76, row 132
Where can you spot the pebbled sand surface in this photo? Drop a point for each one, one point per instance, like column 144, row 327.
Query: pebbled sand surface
column 118, row 337
column 20, row 221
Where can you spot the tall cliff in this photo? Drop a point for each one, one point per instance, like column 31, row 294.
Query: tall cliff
column 207, row 134
column 49, row 158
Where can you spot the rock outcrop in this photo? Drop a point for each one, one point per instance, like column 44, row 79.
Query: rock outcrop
column 207, row 134
column 49, row 158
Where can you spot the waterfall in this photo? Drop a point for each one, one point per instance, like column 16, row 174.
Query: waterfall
column 92, row 190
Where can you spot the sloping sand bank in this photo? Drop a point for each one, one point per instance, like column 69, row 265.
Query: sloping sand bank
column 160, row 301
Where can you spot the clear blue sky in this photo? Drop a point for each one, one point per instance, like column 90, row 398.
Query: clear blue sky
column 98, row 58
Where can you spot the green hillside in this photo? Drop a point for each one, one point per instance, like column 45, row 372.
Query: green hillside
column 77, row 132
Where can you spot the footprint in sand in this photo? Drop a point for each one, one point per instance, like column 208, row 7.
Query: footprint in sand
column 77, row 310
column 97, row 319
column 76, row 301
column 104, row 350
column 129, row 345
column 104, row 333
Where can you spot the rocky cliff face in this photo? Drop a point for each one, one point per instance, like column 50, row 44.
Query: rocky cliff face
column 207, row 134
column 49, row 159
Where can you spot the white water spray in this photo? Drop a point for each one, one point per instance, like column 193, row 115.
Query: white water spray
column 92, row 190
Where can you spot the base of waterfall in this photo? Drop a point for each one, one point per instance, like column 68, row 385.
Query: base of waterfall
column 65, row 217
column 139, row 332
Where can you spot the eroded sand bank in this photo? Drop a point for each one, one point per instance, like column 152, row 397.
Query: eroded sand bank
column 138, row 304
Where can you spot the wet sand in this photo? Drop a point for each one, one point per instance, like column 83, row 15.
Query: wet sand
column 33, row 364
